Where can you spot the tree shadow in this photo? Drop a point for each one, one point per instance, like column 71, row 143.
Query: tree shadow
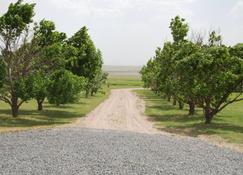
column 30, row 118
column 170, row 119
column 193, row 125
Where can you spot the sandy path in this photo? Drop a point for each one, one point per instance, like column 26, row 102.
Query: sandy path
column 121, row 111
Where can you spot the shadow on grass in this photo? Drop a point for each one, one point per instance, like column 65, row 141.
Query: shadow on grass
column 30, row 118
column 169, row 118
column 193, row 125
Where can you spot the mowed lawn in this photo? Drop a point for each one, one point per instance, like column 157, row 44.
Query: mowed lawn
column 228, row 124
column 51, row 116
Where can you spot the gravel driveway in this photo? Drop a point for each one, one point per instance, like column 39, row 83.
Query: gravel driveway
column 91, row 151
column 113, row 139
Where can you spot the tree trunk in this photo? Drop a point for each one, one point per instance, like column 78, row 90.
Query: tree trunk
column 92, row 93
column 208, row 114
column 208, row 117
column 181, row 105
column 191, row 107
column 174, row 102
column 87, row 94
column 14, row 107
column 169, row 98
column 40, row 105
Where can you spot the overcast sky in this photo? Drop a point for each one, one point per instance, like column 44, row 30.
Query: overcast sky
column 128, row 31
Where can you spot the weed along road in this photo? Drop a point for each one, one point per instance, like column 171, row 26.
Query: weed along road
column 113, row 139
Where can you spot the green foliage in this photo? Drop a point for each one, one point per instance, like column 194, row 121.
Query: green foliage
column 23, row 88
column 83, row 59
column 64, row 87
column 237, row 50
column 179, row 29
column 16, row 19
column 49, row 44
column 28, row 62
column 39, row 86
column 14, row 29
column 198, row 74
column 214, row 39
column 98, row 82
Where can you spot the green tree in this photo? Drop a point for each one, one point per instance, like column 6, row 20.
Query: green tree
column 40, row 83
column 218, row 76
column 14, row 30
column 85, row 59
column 209, row 76
column 48, row 44
column 64, row 87
column 186, row 71
column 179, row 29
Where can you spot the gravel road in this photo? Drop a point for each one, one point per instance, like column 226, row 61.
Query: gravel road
column 114, row 139
column 88, row 151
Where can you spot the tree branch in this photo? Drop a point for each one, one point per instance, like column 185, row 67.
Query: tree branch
column 231, row 101
column 6, row 100
column 21, row 103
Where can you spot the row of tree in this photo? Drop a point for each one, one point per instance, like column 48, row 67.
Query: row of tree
column 201, row 74
column 39, row 62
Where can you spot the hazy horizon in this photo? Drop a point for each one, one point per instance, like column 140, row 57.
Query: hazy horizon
column 129, row 31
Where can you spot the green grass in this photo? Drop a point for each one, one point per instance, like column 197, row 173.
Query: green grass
column 228, row 124
column 51, row 116
column 123, row 81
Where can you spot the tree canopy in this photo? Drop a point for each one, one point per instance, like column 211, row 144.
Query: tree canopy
column 207, row 75
column 37, row 61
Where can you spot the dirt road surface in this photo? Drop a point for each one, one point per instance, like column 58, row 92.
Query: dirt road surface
column 122, row 111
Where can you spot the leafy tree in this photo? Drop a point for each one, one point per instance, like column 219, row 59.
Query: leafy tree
column 214, row 39
column 209, row 76
column 218, row 76
column 64, row 87
column 186, row 71
column 49, row 44
column 167, row 60
column 14, row 29
column 85, row 59
column 237, row 50
column 179, row 29
column 98, row 82
column 39, row 88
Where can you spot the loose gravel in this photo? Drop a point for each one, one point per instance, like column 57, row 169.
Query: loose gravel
column 89, row 151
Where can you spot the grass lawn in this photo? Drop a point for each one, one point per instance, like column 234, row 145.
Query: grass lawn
column 51, row 116
column 124, row 81
column 228, row 124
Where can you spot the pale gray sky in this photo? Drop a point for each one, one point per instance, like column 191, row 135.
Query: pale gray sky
column 128, row 31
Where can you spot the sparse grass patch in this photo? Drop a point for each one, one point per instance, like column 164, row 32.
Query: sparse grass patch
column 228, row 124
